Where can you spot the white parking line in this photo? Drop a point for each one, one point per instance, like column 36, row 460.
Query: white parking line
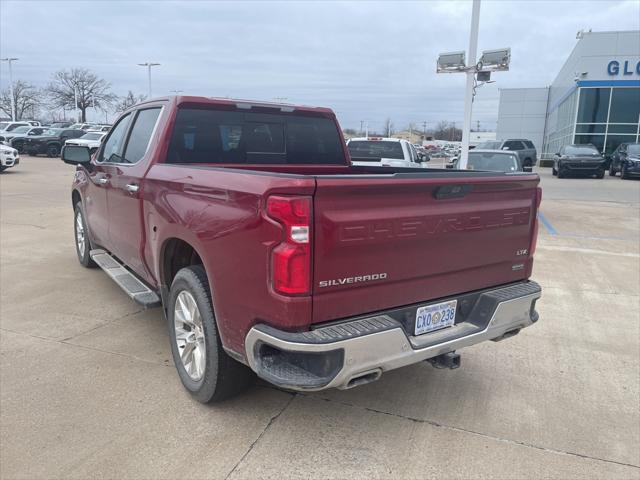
column 587, row 250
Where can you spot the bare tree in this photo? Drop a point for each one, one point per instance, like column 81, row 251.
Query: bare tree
column 91, row 91
column 447, row 131
column 388, row 127
column 27, row 99
column 128, row 101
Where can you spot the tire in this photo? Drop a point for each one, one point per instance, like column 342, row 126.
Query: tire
column 600, row 174
column 209, row 374
column 561, row 174
column 53, row 151
column 82, row 247
column 2, row 168
column 554, row 172
column 612, row 171
column 19, row 146
column 623, row 172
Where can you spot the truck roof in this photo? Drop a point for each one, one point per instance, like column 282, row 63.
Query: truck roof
column 238, row 103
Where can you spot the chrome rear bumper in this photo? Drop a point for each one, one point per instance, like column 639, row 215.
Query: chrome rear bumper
column 349, row 353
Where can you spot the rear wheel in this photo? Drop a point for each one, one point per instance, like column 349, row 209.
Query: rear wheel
column 206, row 371
column 83, row 245
column 52, row 151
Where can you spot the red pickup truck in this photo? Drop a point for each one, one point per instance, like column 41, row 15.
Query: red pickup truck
column 269, row 252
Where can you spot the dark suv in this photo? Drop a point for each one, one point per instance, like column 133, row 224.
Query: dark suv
column 626, row 160
column 525, row 149
column 51, row 141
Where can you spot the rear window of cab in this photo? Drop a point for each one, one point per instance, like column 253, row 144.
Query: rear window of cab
column 230, row 137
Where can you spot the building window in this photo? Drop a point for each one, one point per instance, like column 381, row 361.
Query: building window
column 595, row 140
column 625, row 105
column 594, row 105
column 614, row 140
column 591, row 128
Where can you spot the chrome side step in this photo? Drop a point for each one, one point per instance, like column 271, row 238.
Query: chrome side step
column 137, row 290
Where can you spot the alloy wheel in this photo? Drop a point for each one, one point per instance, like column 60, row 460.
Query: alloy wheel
column 189, row 335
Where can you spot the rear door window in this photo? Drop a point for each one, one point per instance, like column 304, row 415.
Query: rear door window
column 514, row 145
column 529, row 144
column 140, row 135
column 216, row 136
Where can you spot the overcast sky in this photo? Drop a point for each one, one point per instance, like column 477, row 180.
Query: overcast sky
column 366, row 60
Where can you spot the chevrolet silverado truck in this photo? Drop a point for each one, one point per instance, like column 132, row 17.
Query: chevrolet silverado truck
column 269, row 252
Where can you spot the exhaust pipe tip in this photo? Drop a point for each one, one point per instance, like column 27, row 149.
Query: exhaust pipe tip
column 450, row 360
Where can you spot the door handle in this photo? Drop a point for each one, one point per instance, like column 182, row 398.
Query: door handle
column 132, row 188
column 103, row 180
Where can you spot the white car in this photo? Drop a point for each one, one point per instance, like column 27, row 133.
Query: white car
column 383, row 152
column 93, row 140
column 6, row 127
column 8, row 157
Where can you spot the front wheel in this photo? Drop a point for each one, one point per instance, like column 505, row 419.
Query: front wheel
column 600, row 174
column 623, row 173
column 83, row 245
column 206, row 371
column 52, row 151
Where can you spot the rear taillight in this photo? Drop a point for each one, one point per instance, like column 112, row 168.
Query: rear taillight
column 534, row 240
column 291, row 258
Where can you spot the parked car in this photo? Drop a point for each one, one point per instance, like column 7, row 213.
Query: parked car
column 9, row 157
column 493, row 160
column 89, row 139
column 269, row 252
column 423, row 154
column 50, row 142
column 61, row 125
column 525, row 149
column 383, row 152
column 626, row 160
column 578, row 159
column 33, row 123
column 99, row 128
column 6, row 127
column 16, row 138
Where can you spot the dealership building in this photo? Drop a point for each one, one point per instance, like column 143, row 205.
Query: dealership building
column 595, row 98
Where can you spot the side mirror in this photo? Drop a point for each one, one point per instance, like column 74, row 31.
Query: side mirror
column 76, row 155
column 558, row 154
column 527, row 168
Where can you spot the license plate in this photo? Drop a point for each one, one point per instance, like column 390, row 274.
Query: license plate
column 435, row 317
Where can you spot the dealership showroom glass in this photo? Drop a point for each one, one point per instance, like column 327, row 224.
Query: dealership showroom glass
column 595, row 98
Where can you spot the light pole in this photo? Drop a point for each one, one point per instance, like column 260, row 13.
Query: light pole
column 149, row 65
column 13, row 100
column 471, row 76
column 490, row 61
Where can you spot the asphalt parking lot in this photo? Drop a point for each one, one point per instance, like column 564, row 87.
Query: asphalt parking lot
column 88, row 390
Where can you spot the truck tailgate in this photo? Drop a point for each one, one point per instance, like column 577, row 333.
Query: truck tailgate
column 407, row 238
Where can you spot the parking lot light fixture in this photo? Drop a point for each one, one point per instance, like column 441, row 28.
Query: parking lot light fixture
column 149, row 65
column 13, row 100
column 490, row 61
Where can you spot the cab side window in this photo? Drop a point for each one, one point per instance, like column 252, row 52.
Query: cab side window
column 111, row 151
